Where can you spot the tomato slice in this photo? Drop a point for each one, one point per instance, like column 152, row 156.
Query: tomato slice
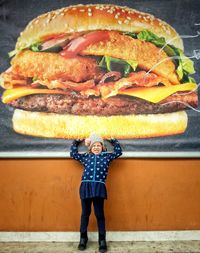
column 80, row 43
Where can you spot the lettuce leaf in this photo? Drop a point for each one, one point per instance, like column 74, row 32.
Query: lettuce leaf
column 114, row 64
column 133, row 64
column 131, row 34
column 185, row 65
column 151, row 37
column 12, row 53
column 36, row 47
column 190, row 80
column 15, row 51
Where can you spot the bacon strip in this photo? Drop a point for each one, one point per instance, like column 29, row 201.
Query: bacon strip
column 56, row 84
column 9, row 80
column 88, row 88
column 140, row 79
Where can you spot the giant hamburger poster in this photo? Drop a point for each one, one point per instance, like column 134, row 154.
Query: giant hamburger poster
column 128, row 72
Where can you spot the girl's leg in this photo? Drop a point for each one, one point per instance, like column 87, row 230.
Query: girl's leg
column 86, row 211
column 99, row 213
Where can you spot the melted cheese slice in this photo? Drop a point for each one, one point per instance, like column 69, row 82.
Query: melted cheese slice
column 12, row 94
column 157, row 94
column 153, row 94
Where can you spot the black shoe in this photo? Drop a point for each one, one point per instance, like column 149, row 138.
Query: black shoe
column 102, row 246
column 82, row 244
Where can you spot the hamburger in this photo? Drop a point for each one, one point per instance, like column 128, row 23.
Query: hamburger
column 99, row 68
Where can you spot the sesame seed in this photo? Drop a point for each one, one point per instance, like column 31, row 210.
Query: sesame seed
column 119, row 22
column 89, row 14
column 110, row 11
column 128, row 18
column 82, row 10
column 126, row 21
column 101, row 7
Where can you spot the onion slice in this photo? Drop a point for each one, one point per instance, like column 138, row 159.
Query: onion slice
column 114, row 74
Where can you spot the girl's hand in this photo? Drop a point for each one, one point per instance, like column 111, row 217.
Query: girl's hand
column 87, row 142
column 112, row 140
column 79, row 140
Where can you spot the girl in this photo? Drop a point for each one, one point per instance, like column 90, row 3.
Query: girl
column 92, row 188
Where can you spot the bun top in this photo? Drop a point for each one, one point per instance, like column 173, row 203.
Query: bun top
column 80, row 18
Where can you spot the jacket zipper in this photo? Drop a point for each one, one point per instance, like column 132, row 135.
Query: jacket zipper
column 94, row 173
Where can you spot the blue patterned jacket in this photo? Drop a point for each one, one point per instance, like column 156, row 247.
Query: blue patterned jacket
column 95, row 166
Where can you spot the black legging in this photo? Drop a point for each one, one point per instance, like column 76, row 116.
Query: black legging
column 98, row 204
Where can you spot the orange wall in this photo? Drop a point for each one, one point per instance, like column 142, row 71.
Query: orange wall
column 43, row 195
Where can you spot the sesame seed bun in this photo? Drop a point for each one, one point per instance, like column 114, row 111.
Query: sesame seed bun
column 80, row 18
column 125, row 126
column 85, row 18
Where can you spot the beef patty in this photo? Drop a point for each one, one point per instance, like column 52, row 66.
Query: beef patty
column 74, row 103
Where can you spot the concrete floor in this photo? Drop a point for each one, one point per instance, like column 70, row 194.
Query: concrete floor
column 113, row 247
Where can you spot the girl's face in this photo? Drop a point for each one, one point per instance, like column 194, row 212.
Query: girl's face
column 97, row 148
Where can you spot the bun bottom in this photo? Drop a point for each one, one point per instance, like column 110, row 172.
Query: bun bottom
column 73, row 126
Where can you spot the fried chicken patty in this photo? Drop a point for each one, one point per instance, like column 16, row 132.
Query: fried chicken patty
column 145, row 53
column 73, row 103
column 52, row 66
